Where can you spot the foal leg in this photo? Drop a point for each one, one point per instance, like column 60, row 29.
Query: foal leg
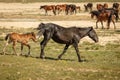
column 14, row 44
column 75, row 45
column 28, row 48
column 65, row 49
column 5, row 48
column 21, row 49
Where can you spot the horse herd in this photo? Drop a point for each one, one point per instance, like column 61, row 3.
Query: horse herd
column 60, row 34
column 72, row 8
column 103, row 12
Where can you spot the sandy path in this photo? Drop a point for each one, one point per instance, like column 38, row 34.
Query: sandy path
column 33, row 24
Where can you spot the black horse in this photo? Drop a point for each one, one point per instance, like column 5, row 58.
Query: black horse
column 68, row 36
column 71, row 8
column 88, row 6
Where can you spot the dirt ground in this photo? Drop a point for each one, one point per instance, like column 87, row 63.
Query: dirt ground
column 28, row 15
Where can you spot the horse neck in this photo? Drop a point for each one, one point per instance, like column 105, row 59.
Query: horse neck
column 84, row 32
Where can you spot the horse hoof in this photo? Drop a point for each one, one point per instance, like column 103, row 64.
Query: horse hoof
column 42, row 57
column 80, row 61
column 2, row 53
column 59, row 57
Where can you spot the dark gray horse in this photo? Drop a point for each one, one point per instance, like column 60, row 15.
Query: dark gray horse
column 68, row 36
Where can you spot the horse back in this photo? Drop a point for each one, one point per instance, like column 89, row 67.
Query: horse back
column 65, row 35
column 19, row 37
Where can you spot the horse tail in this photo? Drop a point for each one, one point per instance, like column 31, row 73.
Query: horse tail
column 7, row 36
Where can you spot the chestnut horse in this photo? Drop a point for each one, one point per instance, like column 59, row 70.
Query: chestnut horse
column 61, row 8
column 20, row 38
column 62, row 35
column 104, row 16
column 101, row 7
column 78, row 8
column 49, row 8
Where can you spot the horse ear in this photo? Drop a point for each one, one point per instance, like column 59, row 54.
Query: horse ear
column 91, row 27
column 42, row 24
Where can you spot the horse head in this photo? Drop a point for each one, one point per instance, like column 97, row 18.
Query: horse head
column 92, row 34
column 33, row 37
column 92, row 15
column 42, row 7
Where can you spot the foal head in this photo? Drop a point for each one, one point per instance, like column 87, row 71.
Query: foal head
column 32, row 36
column 92, row 34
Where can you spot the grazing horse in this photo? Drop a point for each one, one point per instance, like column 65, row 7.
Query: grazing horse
column 103, row 16
column 49, row 8
column 88, row 6
column 20, row 38
column 68, row 36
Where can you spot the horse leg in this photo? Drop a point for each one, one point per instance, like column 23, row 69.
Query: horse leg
column 43, row 44
column 46, row 13
column 54, row 12
column 108, row 26
column 21, row 49
column 97, row 24
column 102, row 24
column 14, row 44
column 28, row 48
column 5, row 48
column 75, row 45
column 58, row 12
column 114, row 24
column 65, row 49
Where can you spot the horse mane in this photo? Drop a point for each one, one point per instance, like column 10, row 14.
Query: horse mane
column 58, row 26
column 84, row 28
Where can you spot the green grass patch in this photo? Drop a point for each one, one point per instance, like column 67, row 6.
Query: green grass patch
column 100, row 62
